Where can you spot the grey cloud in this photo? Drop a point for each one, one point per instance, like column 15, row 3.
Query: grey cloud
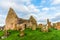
column 57, row 18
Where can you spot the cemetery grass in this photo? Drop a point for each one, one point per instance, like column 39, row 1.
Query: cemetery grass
column 33, row 35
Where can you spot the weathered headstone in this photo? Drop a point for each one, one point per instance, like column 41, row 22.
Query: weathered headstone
column 22, row 33
column 6, row 33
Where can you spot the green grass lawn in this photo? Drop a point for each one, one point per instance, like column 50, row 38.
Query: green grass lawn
column 33, row 35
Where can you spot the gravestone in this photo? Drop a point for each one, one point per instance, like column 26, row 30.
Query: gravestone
column 22, row 33
column 6, row 33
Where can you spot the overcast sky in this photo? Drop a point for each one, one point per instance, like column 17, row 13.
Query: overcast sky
column 40, row 9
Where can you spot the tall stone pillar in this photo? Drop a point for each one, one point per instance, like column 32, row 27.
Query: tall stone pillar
column 48, row 23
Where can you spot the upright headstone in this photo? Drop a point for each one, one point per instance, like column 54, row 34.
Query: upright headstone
column 22, row 33
column 6, row 34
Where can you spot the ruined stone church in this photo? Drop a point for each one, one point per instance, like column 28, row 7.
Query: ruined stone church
column 13, row 22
